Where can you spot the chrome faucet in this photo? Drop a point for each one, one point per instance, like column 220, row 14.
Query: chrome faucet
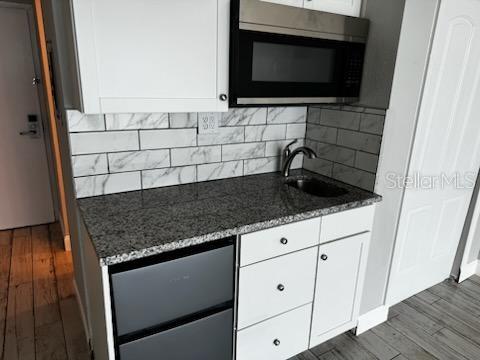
column 289, row 155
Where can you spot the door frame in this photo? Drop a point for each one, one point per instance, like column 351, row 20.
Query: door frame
column 47, row 111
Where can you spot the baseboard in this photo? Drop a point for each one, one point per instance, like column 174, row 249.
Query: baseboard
column 82, row 310
column 67, row 243
column 469, row 270
column 371, row 319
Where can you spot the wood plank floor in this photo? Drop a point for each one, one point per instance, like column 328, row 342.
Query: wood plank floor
column 39, row 314
column 442, row 322
column 40, row 318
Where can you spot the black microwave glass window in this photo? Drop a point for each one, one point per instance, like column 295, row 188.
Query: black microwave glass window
column 285, row 63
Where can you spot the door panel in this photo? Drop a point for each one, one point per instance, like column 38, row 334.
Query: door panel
column 339, row 268
column 446, row 144
column 25, row 191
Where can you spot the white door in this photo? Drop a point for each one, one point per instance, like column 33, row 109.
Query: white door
column 447, row 142
column 344, row 7
column 25, row 193
column 296, row 3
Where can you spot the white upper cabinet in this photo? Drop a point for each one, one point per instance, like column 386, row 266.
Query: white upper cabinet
column 152, row 56
column 343, row 7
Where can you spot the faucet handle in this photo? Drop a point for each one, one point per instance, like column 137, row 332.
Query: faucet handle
column 286, row 150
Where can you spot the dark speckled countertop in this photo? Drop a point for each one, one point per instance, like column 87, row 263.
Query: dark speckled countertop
column 137, row 224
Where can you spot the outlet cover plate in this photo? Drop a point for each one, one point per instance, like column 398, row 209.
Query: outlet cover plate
column 208, row 123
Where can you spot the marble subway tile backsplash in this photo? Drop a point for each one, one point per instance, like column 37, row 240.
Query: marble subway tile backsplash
column 347, row 140
column 124, row 152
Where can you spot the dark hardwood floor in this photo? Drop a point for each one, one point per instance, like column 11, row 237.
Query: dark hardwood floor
column 442, row 322
column 39, row 314
column 40, row 318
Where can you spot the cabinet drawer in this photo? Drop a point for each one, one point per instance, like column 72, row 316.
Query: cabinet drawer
column 346, row 223
column 271, row 287
column 208, row 338
column 277, row 241
column 156, row 294
column 278, row 338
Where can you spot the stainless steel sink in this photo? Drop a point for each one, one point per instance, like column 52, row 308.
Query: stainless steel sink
column 315, row 187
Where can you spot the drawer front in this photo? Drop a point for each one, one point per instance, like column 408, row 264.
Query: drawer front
column 278, row 338
column 271, row 287
column 207, row 338
column 347, row 223
column 156, row 294
column 277, row 241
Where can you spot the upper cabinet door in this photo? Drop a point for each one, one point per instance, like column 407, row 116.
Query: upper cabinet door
column 296, row 3
column 344, row 7
column 152, row 56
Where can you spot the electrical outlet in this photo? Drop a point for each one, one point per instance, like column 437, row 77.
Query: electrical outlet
column 208, row 123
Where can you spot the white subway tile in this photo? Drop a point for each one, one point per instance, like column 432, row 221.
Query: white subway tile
column 225, row 135
column 365, row 161
column 319, row 166
column 261, row 166
column 352, row 176
column 136, row 121
column 341, row 119
column 243, row 151
column 244, row 116
column 78, row 122
column 296, row 131
column 219, row 170
column 359, row 141
column 275, row 148
column 322, row 133
column 286, row 115
column 162, row 139
column 168, row 176
column 196, row 155
column 100, row 142
column 265, row 132
column 372, row 124
column 183, row 120
column 84, row 165
column 107, row 184
column 335, row 153
column 314, row 114
column 138, row 160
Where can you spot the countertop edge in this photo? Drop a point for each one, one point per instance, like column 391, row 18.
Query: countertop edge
column 179, row 244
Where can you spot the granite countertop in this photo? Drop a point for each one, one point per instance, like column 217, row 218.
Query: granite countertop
column 137, row 224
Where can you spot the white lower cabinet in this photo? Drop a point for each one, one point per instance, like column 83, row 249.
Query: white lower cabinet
column 341, row 266
column 296, row 294
column 276, row 339
column 272, row 287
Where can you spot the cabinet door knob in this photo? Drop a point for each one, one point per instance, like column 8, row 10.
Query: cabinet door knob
column 280, row 287
column 284, row 241
column 276, row 342
column 223, row 97
column 324, row 257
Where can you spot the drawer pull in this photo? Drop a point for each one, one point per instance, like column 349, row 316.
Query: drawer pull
column 280, row 287
column 324, row 257
column 284, row 241
column 276, row 342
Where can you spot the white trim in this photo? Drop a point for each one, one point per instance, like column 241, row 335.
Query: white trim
column 108, row 312
column 371, row 319
column 82, row 311
column 469, row 270
column 67, row 243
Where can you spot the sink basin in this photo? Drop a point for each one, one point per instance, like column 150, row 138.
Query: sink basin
column 315, row 187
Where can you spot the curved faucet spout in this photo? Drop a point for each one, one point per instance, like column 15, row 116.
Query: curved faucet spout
column 288, row 161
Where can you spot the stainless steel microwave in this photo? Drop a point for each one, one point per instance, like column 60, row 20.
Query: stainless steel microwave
column 286, row 55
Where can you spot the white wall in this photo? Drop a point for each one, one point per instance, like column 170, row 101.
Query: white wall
column 400, row 123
